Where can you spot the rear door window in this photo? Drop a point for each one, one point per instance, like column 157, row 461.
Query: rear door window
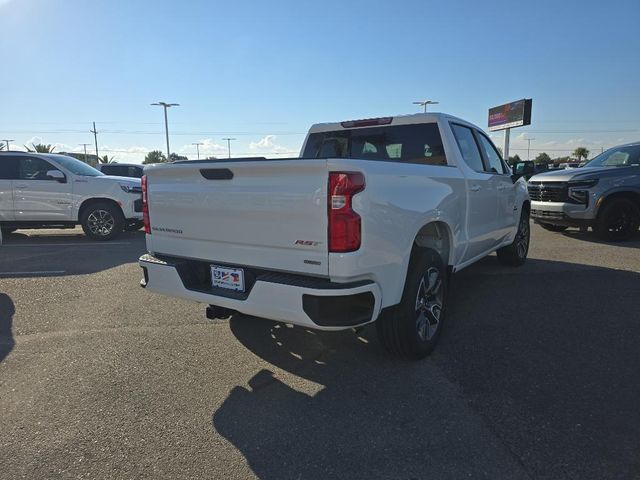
column 8, row 167
column 419, row 143
column 33, row 168
column 468, row 147
column 134, row 172
column 113, row 170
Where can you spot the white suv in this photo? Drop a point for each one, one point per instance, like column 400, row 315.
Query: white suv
column 56, row 191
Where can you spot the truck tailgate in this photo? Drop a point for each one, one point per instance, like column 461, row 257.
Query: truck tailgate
column 260, row 213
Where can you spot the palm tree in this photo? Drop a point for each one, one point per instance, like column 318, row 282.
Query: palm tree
column 41, row 148
column 581, row 153
column 106, row 159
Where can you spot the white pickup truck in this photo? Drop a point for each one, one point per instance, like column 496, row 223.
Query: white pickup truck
column 56, row 191
column 367, row 225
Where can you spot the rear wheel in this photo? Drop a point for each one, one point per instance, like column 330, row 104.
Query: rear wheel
column 516, row 254
column 102, row 221
column 553, row 228
column 412, row 328
column 618, row 220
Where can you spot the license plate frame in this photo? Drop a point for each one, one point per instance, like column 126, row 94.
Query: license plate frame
column 229, row 278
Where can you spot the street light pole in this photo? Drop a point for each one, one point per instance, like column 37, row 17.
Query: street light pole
column 424, row 104
column 198, row 148
column 229, row 144
column 529, row 147
column 166, row 105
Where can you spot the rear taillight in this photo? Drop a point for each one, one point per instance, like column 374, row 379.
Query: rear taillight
column 344, row 224
column 145, row 206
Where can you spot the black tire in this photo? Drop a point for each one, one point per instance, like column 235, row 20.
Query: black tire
column 102, row 221
column 134, row 226
column 515, row 254
column 411, row 329
column 553, row 228
column 618, row 220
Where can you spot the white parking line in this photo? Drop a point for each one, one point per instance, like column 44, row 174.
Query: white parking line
column 86, row 244
column 41, row 272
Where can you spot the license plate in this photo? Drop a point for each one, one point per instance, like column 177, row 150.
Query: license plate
column 229, row 278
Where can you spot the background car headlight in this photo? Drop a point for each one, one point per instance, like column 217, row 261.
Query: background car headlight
column 578, row 190
column 583, row 183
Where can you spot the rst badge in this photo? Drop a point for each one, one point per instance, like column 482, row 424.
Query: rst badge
column 307, row 243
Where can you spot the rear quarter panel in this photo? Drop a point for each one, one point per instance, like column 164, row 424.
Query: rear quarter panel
column 398, row 200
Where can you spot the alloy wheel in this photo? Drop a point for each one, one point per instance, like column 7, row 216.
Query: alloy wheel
column 429, row 304
column 522, row 237
column 101, row 222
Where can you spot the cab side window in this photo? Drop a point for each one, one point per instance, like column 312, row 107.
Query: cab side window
column 494, row 162
column 468, row 147
column 32, row 168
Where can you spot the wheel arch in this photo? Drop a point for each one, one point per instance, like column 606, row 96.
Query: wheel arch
column 630, row 194
column 88, row 202
column 438, row 236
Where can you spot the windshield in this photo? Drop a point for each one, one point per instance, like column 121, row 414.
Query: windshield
column 617, row 157
column 76, row 166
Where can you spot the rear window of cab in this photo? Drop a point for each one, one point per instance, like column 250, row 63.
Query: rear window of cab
column 419, row 143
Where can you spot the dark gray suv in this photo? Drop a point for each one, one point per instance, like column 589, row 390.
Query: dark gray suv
column 604, row 194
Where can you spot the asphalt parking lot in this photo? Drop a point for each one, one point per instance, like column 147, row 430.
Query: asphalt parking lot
column 536, row 375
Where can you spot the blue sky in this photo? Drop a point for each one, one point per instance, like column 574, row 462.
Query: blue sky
column 264, row 71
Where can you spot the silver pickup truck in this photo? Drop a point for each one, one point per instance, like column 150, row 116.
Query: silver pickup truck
column 604, row 195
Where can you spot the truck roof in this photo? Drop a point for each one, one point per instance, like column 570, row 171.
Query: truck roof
column 410, row 119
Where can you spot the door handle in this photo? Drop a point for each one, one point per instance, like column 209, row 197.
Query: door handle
column 21, row 186
column 475, row 188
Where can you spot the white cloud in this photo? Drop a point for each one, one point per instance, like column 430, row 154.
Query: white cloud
column 267, row 144
column 208, row 148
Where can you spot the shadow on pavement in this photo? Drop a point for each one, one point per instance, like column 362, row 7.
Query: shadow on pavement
column 537, row 370
column 592, row 238
column 65, row 253
column 7, row 310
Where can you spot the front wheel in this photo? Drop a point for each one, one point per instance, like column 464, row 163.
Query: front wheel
column 515, row 254
column 618, row 220
column 553, row 228
column 412, row 328
column 102, row 221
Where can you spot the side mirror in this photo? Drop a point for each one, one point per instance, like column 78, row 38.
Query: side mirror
column 57, row 175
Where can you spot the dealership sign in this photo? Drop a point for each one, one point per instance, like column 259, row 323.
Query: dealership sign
column 514, row 114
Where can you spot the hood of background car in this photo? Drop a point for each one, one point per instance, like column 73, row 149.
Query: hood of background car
column 114, row 179
column 584, row 173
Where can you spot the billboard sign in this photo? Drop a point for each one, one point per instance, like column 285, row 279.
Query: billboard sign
column 509, row 115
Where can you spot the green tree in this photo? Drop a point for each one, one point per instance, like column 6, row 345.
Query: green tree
column 581, row 153
column 154, row 156
column 543, row 158
column 174, row 157
column 513, row 160
column 1, row 146
column 41, row 148
column 106, row 159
